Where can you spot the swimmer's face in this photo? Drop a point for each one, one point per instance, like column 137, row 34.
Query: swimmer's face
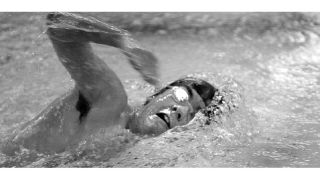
column 174, row 105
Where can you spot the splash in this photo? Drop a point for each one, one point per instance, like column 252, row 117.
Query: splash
column 110, row 146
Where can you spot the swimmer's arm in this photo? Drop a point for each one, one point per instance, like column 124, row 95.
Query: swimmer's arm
column 70, row 28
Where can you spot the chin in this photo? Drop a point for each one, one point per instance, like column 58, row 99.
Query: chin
column 173, row 105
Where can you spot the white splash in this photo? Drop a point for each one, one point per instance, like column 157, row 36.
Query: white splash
column 180, row 93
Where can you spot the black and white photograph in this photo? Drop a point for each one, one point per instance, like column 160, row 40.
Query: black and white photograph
column 159, row 89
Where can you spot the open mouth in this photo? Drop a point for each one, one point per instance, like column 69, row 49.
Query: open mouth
column 164, row 117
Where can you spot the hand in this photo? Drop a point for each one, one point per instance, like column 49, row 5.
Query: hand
column 146, row 63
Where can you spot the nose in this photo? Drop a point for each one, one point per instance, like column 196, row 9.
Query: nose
column 180, row 114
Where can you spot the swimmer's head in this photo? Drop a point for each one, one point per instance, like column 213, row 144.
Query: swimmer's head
column 174, row 105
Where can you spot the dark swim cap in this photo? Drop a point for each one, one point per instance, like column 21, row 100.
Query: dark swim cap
column 169, row 108
column 205, row 90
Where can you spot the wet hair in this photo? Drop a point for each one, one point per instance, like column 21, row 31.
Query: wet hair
column 205, row 90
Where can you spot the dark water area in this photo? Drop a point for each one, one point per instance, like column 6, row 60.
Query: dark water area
column 272, row 79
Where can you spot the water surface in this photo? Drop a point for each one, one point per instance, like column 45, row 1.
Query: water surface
column 275, row 122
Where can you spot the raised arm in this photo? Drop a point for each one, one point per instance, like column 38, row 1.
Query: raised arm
column 98, row 98
column 71, row 35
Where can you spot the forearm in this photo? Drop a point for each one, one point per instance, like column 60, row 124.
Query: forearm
column 67, row 27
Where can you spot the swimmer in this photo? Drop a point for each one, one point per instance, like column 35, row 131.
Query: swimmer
column 174, row 105
column 98, row 99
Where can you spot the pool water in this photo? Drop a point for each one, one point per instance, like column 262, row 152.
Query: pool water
column 275, row 121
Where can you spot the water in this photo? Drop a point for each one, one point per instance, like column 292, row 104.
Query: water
column 275, row 85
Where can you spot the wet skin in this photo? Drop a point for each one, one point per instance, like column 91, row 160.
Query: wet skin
column 174, row 105
column 98, row 99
